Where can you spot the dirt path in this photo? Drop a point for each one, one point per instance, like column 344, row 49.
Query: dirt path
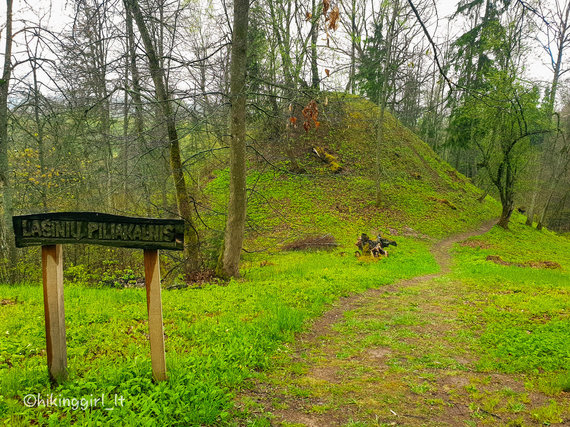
column 440, row 251
column 396, row 355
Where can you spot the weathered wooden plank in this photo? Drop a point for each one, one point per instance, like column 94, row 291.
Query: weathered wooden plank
column 154, row 307
column 98, row 228
column 52, row 263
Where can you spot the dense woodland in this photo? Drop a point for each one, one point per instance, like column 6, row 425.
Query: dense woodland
column 128, row 107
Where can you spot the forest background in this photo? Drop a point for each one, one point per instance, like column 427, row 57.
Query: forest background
column 129, row 107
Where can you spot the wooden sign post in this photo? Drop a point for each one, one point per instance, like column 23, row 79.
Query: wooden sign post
column 52, row 263
column 154, row 307
column 50, row 230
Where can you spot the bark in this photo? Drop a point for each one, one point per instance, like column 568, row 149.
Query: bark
column 561, row 41
column 507, row 202
column 352, row 73
column 383, row 96
column 125, row 166
column 97, row 41
column 135, row 94
column 506, row 213
column 315, row 83
column 191, row 250
column 8, row 236
column 40, row 133
column 506, row 185
column 135, row 76
column 235, row 224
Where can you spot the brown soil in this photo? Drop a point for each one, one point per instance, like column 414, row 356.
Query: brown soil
column 533, row 264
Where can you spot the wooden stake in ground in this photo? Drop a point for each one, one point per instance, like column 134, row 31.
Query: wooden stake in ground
column 154, row 305
column 52, row 262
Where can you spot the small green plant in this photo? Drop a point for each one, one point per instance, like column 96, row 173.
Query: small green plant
column 77, row 274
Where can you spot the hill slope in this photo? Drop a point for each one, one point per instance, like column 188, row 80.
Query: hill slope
column 422, row 195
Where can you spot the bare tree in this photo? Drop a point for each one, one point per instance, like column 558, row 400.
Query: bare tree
column 554, row 37
column 383, row 99
column 7, row 242
column 235, row 224
column 165, row 102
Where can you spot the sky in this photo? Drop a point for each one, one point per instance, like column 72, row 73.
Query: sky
column 57, row 13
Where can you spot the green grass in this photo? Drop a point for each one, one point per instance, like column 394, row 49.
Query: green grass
column 482, row 319
column 419, row 190
column 217, row 336
column 523, row 321
column 483, row 343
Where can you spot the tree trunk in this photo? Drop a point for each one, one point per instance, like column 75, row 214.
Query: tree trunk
column 125, row 166
column 505, row 216
column 135, row 94
column 352, row 73
column 530, row 209
column 135, row 76
column 506, row 190
column 314, row 32
column 235, row 224
column 191, row 250
column 40, row 134
column 8, row 245
column 383, row 97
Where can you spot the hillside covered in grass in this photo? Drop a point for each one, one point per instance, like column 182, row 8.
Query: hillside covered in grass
column 422, row 195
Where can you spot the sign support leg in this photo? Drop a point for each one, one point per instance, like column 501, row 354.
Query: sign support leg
column 154, row 306
column 52, row 267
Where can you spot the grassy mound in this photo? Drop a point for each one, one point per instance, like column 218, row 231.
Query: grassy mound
column 422, row 195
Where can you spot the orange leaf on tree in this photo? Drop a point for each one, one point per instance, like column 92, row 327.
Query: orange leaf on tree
column 326, row 5
column 333, row 18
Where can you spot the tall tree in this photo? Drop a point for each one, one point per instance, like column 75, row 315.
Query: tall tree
column 475, row 54
column 5, row 185
column 554, row 36
column 503, row 126
column 557, row 35
column 235, row 224
column 89, row 52
column 383, row 99
column 165, row 102
column 499, row 113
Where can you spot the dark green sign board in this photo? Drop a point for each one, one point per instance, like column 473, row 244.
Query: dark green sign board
column 100, row 229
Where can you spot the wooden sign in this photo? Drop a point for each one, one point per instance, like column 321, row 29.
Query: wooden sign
column 50, row 230
column 100, row 229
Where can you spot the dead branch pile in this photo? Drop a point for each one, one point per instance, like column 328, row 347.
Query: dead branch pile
column 373, row 247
